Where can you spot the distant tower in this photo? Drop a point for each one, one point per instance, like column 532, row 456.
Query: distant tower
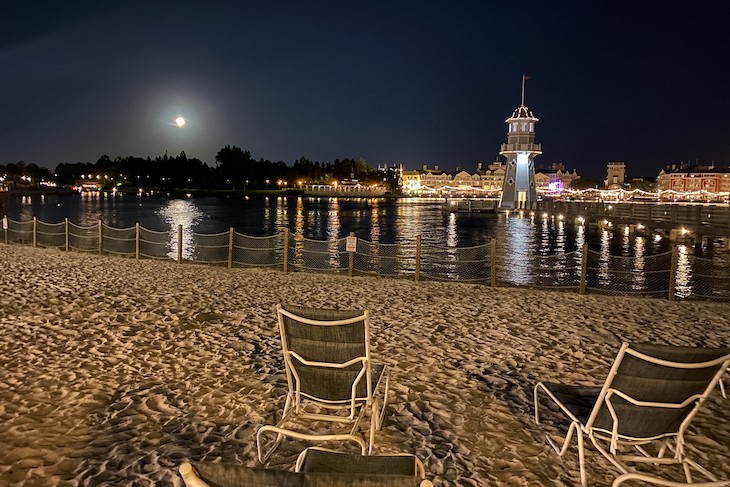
column 616, row 175
column 518, row 189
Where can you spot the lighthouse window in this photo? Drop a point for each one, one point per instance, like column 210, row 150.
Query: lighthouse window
column 532, row 127
column 524, row 126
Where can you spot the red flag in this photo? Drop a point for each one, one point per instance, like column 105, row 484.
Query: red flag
column 525, row 77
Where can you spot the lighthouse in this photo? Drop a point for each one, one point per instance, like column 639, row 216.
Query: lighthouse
column 518, row 188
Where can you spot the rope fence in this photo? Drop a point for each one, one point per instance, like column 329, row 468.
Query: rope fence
column 674, row 275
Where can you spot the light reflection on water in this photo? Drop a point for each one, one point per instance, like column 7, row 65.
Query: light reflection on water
column 517, row 249
column 684, row 272
column 638, row 277
column 604, row 275
column 181, row 213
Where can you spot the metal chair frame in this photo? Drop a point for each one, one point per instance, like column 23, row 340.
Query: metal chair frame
column 297, row 401
column 673, row 442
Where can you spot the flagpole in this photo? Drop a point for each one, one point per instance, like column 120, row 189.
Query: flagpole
column 523, row 90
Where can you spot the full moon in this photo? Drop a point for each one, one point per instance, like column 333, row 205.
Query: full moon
column 180, row 121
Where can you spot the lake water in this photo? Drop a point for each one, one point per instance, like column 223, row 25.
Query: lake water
column 381, row 221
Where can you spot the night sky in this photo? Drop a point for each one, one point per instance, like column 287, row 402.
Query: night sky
column 393, row 82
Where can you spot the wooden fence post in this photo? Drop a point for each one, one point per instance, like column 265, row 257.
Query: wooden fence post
column 231, row 233
column 493, row 263
column 179, row 244
column 418, row 258
column 583, row 268
column 286, row 249
column 66, row 223
column 673, row 272
column 351, row 258
column 35, row 232
column 101, row 237
column 136, row 241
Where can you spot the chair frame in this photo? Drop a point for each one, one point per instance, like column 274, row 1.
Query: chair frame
column 673, row 442
column 296, row 401
column 627, row 477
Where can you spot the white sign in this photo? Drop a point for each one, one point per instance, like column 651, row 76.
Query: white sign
column 5, row 223
column 351, row 244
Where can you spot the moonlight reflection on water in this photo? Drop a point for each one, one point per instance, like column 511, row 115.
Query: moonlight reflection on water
column 181, row 213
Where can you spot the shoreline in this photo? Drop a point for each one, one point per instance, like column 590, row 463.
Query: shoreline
column 118, row 370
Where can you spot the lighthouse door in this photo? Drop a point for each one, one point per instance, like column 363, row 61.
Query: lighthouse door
column 521, row 199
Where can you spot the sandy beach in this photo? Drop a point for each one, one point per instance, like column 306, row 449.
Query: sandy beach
column 115, row 371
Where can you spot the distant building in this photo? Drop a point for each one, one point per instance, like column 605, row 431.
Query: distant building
column 492, row 178
column 688, row 178
column 555, row 178
column 644, row 183
column 423, row 180
column 616, row 175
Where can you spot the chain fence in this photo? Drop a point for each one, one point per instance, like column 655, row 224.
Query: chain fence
column 387, row 260
column 251, row 251
column 674, row 275
column 703, row 279
column 641, row 275
column 51, row 234
column 83, row 239
column 211, row 248
column 19, row 232
column 119, row 241
column 468, row 264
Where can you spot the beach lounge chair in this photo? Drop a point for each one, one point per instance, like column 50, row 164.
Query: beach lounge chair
column 316, row 467
column 331, row 377
column 651, row 395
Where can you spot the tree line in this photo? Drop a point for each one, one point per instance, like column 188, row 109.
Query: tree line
column 234, row 169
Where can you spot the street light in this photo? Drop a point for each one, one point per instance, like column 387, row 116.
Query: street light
column 267, row 184
column 247, row 185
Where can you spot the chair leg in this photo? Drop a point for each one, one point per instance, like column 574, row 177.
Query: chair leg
column 381, row 415
column 264, row 457
column 374, row 422
column 537, row 405
column 582, row 459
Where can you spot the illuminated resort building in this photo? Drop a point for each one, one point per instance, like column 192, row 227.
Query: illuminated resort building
column 692, row 178
column 554, row 178
column 485, row 181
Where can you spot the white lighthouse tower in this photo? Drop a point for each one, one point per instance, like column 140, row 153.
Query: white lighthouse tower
column 518, row 189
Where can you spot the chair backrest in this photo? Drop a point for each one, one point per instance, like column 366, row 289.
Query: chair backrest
column 669, row 383
column 328, row 338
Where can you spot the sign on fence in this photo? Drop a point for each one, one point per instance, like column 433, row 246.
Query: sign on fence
column 351, row 244
column 5, row 223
